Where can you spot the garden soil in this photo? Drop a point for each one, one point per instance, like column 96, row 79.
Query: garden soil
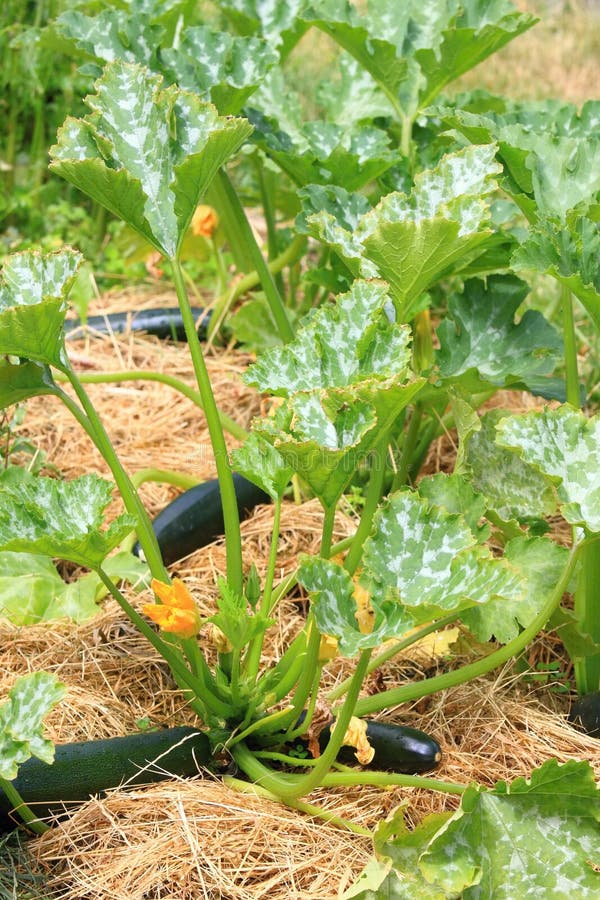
column 203, row 837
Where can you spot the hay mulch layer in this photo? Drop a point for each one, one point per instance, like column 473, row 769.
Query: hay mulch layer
column 202, row 838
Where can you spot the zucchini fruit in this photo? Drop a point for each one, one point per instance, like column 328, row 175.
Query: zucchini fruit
column 162, row 323
column 195, row 518
column 84, row 769
column 585, row 714
column 398, row 748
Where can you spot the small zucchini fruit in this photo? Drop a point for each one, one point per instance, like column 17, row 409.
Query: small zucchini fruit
column 161, row 323
column 195, row 518
column 87, row 768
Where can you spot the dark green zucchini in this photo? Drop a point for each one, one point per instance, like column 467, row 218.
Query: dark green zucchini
column 398, row 748
column 81, row 770
column 195, row 518
column 162, row 323
column 585, row 714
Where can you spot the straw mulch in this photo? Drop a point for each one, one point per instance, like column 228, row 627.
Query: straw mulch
column 201, row 838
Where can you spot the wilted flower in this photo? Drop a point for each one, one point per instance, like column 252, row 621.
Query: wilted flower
column 177, row 613
column 205, row 222
column 356, row 736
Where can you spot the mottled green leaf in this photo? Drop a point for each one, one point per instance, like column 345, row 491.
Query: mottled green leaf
column 275, row 20
column 261, row 464
column 514, row 488
column 429, row 560
column 337, row 346
column 536, row 837
column 413, row 241
column 148, row 154
column 21, row 721
column 335, row 608
column 33, row 291
column 113, row 34
column 455, row 493
column 221, row 68
column 415, row 49
column 480, row 333
column 569, row 252
column 354, row 97
column 565, row 446
column 540, row 562
column 58, row 518
column 327, row 153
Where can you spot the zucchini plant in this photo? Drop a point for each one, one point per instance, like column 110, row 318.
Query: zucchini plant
column 358, row 374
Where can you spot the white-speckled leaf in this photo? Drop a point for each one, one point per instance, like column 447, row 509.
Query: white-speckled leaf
column 337, row 346
column 220, row 67
column 112, row 34
column 535, row 837
column 514, row 488
column 33, row 291
column 480, row 333
column 540, row 562
column 455, row 493
column 565, row 446
column 21, row 721
column 415, row 48
column 259, row 462
column 335, row 608
column 413, row 240
column 277, row 21
column 148, row 154
column 354, row 97
column 58, row 518
column 429, row 560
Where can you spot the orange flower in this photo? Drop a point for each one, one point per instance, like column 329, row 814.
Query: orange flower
column 356, row 736
column 177, row 613
column 205, row 221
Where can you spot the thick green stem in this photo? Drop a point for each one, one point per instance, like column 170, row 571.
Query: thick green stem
column 587, row 611
column 228, row 424
column 233, row 541
column 255, row 648
column 164, row 476
column 95, row 429
column 389, row 779
column 292, row 787
column 300, row 805
column 408, row 448
column 31, row 820
column 373, row 496
column 571, row 370
column 269, row 287
column 327, row 533
column 409, row 692
column 234, row 233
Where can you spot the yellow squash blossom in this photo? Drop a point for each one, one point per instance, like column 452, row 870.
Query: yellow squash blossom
column 365, row 614
column 177, row 612
column 356, row 736
column 205, row 222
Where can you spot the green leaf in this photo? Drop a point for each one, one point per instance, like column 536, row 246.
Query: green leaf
column 429, row 561
column 337, row 346
column 455, row 493
column 480, row 333
column 33, row 290
column 236, row 621
column 540, row 562
column 335, row 608
column 514, row 488
column 113, row 34
column 58, row 518
column 326, row 152
column 218, row 66
column 21, row 381
column 147, row 154
column 354, row 97
column 21, row 721
column 414, row 50
column 533, row 837
column 275, row 20
column 569, row 252
column 565, row 446
column 260, row 463
column 413, row 241
column 253, row 325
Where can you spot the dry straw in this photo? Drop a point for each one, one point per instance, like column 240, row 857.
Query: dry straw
column 201, row 838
